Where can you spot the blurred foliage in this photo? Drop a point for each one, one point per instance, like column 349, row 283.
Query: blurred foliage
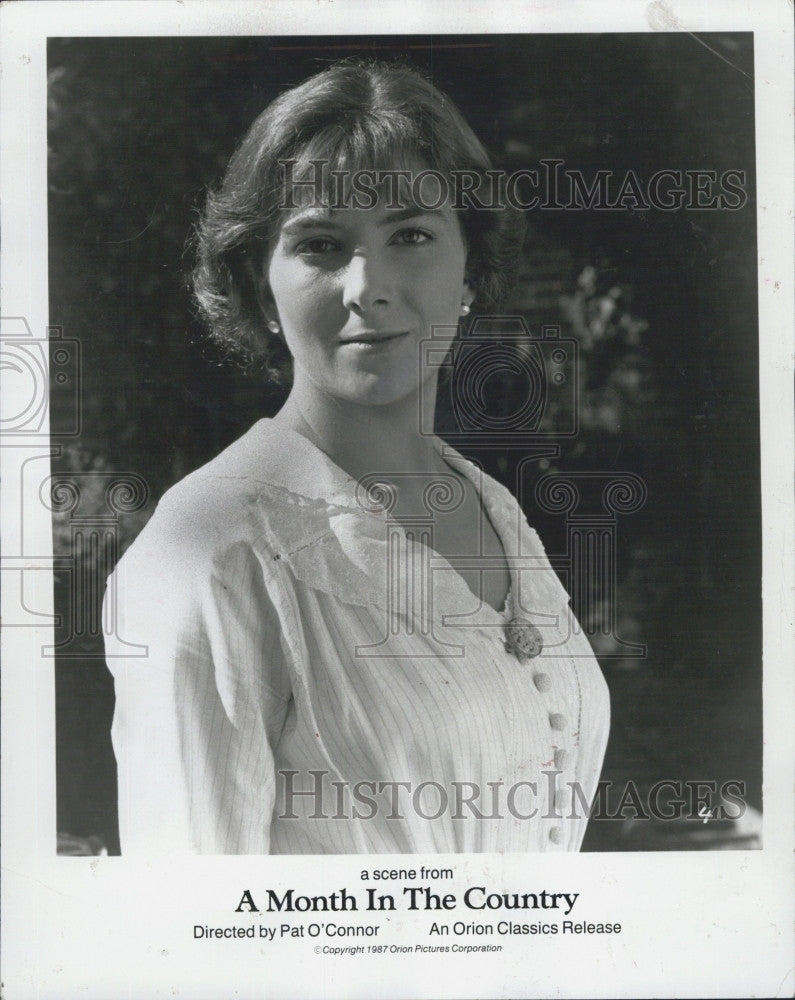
column 662, row 305
column 615, row 378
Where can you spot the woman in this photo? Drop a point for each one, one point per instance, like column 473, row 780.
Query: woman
column 353, row 640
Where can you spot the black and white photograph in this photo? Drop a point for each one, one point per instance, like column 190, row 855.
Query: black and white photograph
column 379, row 587
column 390, row 450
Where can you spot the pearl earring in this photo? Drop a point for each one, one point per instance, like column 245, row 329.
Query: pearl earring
column 273, row 326
column 465, row 309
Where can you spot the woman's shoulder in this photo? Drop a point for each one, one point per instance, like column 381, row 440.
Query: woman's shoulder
column 199, row 571
column 271, row 509
column 217, row 507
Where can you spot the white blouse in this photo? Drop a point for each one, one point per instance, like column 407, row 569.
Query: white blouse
column 297, row 673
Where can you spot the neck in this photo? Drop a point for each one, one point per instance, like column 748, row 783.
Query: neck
column 365, row 439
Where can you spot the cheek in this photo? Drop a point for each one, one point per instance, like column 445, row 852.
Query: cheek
column 283, row 281
column 301, row 296
column 443, row 285
column 452, row 266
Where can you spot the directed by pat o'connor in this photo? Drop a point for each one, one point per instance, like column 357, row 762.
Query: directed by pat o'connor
column 358, row 921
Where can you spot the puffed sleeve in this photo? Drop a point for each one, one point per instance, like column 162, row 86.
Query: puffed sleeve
column 202, row 692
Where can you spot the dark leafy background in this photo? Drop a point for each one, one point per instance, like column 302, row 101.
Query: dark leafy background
column 663, row 305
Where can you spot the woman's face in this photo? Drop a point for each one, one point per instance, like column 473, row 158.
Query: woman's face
column 357, row 290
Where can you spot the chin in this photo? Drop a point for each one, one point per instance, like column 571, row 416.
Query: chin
column 377, row 390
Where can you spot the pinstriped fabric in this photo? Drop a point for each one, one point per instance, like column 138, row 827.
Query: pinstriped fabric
column 288, row 704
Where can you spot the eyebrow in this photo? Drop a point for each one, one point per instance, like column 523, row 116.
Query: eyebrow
column 313, row 219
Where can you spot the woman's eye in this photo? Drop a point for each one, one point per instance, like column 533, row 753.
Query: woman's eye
column 412, row 237
column 316, row 246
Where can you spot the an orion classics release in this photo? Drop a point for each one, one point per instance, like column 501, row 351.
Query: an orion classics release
column 333, row 919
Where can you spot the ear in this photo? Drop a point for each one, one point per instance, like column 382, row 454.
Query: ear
column 467, row 294
column 265, row 300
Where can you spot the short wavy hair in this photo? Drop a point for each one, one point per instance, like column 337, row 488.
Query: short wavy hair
column 355, row 115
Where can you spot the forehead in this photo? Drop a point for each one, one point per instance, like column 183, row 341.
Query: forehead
column 322, row 182
column 351, row 184
column 305, row 219
column 323, row 195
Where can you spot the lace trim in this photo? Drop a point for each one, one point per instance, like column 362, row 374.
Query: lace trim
column 345, row 552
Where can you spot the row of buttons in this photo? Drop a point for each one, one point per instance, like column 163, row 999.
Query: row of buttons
column 557, row 722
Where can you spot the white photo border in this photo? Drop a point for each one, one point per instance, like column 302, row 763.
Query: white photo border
column 697, row 924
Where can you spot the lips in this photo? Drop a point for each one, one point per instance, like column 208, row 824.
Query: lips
column 374, row 337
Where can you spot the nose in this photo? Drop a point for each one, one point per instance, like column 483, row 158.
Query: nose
column 366, row 284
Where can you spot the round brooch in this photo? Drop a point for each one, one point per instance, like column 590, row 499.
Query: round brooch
column 523, row 639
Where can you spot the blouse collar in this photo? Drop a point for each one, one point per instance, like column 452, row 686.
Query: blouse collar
column 286, row 459
column 319, row 519
column 289, row 461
